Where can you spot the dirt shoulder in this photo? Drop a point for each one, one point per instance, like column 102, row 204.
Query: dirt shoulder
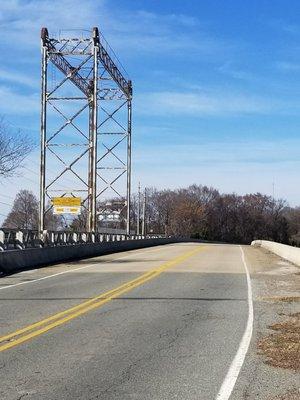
column 272, row 367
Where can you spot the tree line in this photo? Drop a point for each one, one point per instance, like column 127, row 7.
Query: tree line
column 203, row 212
column 196, row 211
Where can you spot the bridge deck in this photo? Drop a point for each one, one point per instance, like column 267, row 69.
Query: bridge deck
column 172, row 332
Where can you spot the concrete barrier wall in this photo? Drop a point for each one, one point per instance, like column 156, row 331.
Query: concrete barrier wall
column 289, row 253
column 15, row 260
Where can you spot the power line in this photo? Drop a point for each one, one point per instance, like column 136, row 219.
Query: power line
column 30, row 170
column 51, row 172
column 28, row 179
column 2, row 202
column 4, row 195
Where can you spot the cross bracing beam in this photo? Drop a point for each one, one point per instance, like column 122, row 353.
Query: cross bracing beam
column 113, row 70
column 89, row 65
column 62, row 64
column 57, row 58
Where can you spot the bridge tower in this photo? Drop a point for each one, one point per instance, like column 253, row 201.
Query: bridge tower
column 85, row 124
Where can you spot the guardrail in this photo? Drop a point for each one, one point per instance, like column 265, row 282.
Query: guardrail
column 13, row 239
column 289, row 253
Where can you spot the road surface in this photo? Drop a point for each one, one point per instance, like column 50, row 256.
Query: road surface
column 158, row 323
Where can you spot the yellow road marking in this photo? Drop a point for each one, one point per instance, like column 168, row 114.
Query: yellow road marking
column 13, row 339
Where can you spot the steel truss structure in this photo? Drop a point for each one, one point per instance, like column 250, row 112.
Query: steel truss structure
column 85, row 125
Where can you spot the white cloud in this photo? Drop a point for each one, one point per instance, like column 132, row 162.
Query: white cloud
column 236, row 178
column 18, row 77
column 21, row 21
column 174, row 34
column 190, row 151
column 228, row 68
column 138, row 32
column 230, row 166
column 288, row 66
column 13, row 102
column 203, row 103
column 283, row 25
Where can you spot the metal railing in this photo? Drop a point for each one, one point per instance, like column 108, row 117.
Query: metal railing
column 14, row 239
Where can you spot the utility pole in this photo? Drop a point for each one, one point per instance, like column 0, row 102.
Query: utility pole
column 128, row 165
column 44, row 33
column 144, row 214
column 138, row 211
column 93, row 133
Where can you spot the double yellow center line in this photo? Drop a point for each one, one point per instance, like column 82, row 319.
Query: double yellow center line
column 38, row 328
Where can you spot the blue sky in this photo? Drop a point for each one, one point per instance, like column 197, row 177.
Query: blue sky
column 216, row 86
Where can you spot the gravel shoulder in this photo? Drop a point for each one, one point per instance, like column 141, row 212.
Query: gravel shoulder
column 272, row 367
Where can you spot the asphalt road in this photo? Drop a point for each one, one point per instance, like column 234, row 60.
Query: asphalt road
column 81, row 331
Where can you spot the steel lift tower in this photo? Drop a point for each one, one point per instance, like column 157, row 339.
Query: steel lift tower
column 85, row 125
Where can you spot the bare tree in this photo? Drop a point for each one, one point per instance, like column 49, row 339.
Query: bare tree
column 25, row 211
column 14, row 148
column 79, row 223
column 53, row 222
column 293, row 218
column 197, row 211
column 202, row 212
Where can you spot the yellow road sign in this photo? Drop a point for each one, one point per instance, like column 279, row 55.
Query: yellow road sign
column 66, row 201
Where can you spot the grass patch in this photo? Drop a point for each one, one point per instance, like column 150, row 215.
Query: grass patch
column 290, row 395
column 285, row 299
column 282, row 347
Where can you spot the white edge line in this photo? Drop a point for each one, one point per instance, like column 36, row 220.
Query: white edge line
column 72, row 270
column 237, row 363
